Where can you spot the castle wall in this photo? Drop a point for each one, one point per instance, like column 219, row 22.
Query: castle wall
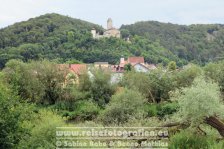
column 110, row 32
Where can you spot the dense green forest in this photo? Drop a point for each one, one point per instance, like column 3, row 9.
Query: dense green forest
column 198, row 43
column 61, row 38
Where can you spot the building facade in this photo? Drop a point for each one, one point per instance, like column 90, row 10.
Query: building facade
column 110, row 32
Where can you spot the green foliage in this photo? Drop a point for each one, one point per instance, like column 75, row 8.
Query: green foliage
column 124, row 106
column 13, row 115
column 199, row 101
column 167, row 109
column 127, row 67
column 39, row 82
column 190, row 43
column 186, row 140
column 43, row 130
column 137, row 81
column 161, row 110
column 70, row 94
column 85, row 82
column 66, row 40
column 154, row 86
column 185, row 77
column 54, row 36
column 101, row 87
column 161, row 84
column 125, row 33
column 172, row 66
column 70, row 36
column 73, row 61
column 83, row 110
column 215, row 71
column 151, row 110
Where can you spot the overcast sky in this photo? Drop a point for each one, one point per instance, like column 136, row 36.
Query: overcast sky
column 121, row 11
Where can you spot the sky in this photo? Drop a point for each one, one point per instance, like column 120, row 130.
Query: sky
column 121, row 11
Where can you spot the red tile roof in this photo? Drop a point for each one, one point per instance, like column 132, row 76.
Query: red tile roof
column 78, row 68
column 134, row 60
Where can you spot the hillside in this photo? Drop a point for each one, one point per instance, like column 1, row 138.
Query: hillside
column 41, row 29
column 199, row 43
column 61, row 38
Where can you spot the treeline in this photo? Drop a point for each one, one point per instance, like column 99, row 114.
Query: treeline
column 196, row 43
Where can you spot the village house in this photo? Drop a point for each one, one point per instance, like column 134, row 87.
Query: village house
column 140, row 67
column 138, row 63
column 103, row 65
column 73, row 72
column 77, row 70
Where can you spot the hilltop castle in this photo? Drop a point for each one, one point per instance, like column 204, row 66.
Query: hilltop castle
column 110, row 32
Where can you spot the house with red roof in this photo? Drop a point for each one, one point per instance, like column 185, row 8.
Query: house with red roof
column 77, row 68
column 135, row 60
column 138, row 63
column 73, row 72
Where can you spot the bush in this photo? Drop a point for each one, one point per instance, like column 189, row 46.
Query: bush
column 12, row 117
column 43, row 129
column 83, row 110
column 215, row 71
column 123, row 107
column 185, row 77
column 172, row 66
column 151, row 110
column 37, row 81
column 101, row 88
column 161, row 109
column 187, row 140
column 167, row 109
column 137, row 81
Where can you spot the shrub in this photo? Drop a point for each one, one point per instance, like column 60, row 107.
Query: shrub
column 43, row 131
column 151, row 110
column 167, row 109
column 215, row 71
column 172, row 66
column 124, row 106
column 13, row 114
column 37, row 81
column 185, row 77
column 84, row 110
column 101, row 87
column 187, row 140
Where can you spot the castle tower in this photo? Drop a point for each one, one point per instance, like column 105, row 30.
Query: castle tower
column 109, row 24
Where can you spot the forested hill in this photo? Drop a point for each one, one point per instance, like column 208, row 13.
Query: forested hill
column 46, row 27
column 64, row 39
column 199, row 43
